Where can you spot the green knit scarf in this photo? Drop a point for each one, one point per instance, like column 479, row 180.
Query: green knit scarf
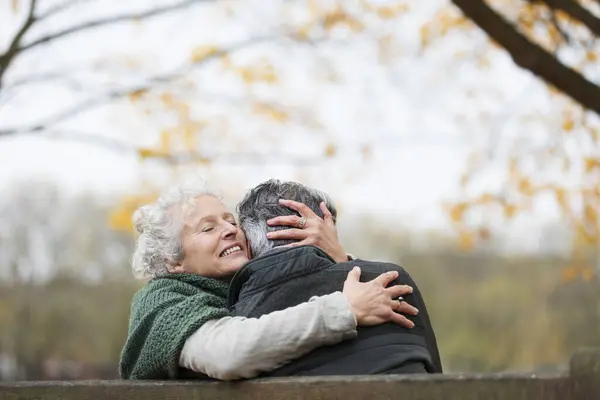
column 163, row 315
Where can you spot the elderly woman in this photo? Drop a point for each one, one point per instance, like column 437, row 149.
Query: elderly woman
column 189, row 247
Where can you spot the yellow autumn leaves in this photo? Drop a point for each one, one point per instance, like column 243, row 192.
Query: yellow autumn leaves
column 572, row 272
column 181, row 134
column 202, row 53
column 575, row 186
column 443, row 22
column 467, row 237
column 119, row 218
column 579, row 206
column 327, row 17
column 546, row 27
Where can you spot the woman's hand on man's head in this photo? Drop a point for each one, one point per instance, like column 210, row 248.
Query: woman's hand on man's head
column 311, row 229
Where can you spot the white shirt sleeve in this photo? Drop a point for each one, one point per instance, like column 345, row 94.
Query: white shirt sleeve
column 237, row 347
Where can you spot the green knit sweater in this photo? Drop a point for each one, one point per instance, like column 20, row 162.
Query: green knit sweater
column 163, row 315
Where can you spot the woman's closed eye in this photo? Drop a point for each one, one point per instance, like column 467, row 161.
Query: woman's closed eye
column 208, row 228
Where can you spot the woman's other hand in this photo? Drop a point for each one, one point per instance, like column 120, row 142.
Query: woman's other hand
column 372, row 302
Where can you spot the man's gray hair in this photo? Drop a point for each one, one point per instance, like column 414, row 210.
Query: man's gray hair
column 262, row 203
column 159, row 226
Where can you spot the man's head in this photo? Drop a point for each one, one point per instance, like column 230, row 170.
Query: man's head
column 262, row 203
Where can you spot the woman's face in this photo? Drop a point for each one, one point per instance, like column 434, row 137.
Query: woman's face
column 213, row 245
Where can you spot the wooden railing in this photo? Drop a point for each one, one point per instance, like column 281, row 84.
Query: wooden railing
column 582, row 381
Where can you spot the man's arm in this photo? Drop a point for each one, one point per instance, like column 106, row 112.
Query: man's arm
column 429, row 334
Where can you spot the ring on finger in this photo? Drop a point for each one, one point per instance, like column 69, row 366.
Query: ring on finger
column 302, row 222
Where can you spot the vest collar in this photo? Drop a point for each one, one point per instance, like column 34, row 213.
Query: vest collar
column 278, row 263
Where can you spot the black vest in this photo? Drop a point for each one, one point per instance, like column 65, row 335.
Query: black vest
column 288, row 277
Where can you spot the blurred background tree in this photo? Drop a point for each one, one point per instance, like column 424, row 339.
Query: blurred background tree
column 237, row 92
column 557, row 40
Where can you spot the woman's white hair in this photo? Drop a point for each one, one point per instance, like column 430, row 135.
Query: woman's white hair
column 159, row 226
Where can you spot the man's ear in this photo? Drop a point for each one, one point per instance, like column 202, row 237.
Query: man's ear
column 248, row 250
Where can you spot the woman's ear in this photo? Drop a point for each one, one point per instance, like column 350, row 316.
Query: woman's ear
column 175, row 268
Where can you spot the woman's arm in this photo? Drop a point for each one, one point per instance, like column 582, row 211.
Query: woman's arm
column 238, row 347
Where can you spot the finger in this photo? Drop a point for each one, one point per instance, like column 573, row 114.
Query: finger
column 327, row 216
column 295, row 234
column 385, row 278
column 302, row 208
column 285, row 220
column 404, row 308
column 354, row 275
column 398, row 290
column 401, row 320
column 296, row 244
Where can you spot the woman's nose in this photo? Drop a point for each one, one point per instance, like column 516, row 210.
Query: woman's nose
column 229, row 231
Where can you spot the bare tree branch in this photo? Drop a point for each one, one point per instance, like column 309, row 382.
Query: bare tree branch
column 565, row 37
column 44, row 77
column 528, row 55
column 237, row 158
column 123, row 92
column 66, row 4
column 17, row 47
column 95, row 139
column 13, row 49
column 243, row 159
column 576, row 11
column 58, row 73
column 91, row 103
column 137, row 16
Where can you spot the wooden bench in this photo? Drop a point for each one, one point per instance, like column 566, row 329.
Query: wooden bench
column 581, row 381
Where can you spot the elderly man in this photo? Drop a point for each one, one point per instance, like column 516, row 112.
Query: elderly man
column 283, row 274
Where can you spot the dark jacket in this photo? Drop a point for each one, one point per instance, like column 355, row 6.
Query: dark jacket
column 288, row 277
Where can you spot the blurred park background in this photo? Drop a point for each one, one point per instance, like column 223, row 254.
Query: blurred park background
column 458, row 138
